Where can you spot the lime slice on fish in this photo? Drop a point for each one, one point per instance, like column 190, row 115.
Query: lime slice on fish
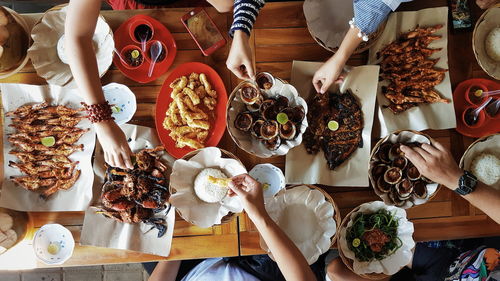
column 356, row 242
column 333, row 125
column 116, row 109
column 53, row 248
column 282, row 118
column 135, row 54
column 48, row 141
column 478, row 92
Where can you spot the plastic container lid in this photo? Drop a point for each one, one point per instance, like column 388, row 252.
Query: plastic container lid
column 122, row 101
column 53, row 244
column 270, row 176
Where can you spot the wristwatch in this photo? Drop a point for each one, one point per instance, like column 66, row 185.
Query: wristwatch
column 466, row 184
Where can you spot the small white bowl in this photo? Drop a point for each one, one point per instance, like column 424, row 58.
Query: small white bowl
column 271, row 175
column 53, row 234
column 122, row 100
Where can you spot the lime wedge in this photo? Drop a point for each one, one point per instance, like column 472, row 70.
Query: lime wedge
column 135, row 54
column 48, row 141
column 356, row 242
column 265, row 186
column 282, row 118
column 53, row 248
column 116, row 109
column 478, row 92
column 333, row 125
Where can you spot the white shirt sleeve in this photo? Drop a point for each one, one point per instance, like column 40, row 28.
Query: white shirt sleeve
column 217, row 269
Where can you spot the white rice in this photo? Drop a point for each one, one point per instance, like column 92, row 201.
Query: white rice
column 206, row 191
column 492, row 44
column 486, row 167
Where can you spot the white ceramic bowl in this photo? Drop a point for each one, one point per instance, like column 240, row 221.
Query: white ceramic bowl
column 122, row 100
column 53, row 234
column 271, row 175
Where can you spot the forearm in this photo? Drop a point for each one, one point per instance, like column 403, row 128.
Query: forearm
column 486, row 199
column 165, row 271
column 290, row 260
column 80, row 24
column 347, row 47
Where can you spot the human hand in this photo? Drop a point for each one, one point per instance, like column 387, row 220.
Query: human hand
column 250, row 193
column 330, row 72
column 240, row 59
column 435, row 163
column 485, row 4
column 114, row 144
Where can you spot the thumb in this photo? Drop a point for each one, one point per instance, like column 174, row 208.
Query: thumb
column 325, row 86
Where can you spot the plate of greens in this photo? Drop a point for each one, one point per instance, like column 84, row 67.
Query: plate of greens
column 376, row 239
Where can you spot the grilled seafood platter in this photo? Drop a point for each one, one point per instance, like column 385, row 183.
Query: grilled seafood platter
column 266, row 118
column 394, row 178
column 44, row 138
column 136, row 195
column 336, row 125
column 411, row 73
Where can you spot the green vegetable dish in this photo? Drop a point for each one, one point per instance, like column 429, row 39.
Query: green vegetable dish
column 373, row 236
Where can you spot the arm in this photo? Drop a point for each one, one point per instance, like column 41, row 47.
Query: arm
column 436, row 163
column 336, row 270
column 81, row 20
column 240, row 59
column 165, row 271
column 290, row 260
column 368, row 15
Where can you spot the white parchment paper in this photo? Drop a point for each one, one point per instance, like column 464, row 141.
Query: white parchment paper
column 105, row 232
column 424, row 116
column 302, row 167
column 15, row 197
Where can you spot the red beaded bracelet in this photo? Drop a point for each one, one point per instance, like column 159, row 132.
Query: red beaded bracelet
column 98, row 112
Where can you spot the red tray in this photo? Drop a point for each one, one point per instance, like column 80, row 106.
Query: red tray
column 164, row 100
column 160, row 33
column 490, row 126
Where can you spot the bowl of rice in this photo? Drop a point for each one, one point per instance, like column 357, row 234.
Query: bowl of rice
column 486, row 41
column 482, row 159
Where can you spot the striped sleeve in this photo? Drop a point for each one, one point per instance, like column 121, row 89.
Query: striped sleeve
column 368, row 15
column 245, row 14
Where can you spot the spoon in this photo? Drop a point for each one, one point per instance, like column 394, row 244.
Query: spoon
column 144, row 38
column 154, row 52
column 119, row 56
column 492, row 109
column 475, row 113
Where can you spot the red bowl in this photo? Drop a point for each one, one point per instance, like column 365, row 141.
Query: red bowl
column 134, row 23
column 481, row 117
column 495, row 117
column 478, row 101
column 125, row 50
column 164, row 99
column 148, row 52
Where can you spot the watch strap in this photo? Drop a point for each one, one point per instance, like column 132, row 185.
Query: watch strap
column 466, row 184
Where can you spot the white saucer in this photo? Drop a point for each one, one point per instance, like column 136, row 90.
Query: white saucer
column 271, row 175
column 55, row 234
column 122, row 99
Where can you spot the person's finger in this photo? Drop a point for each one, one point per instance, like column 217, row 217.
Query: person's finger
column 438, row 145
column 412, row 155
column 236, row 71
column 106, row 158
column 317, row 84
column 426, row 155
column 325, row 86
column 119, row 161
column 250, row 69
column 230, row 192
column 339, row 80
column 429, row 148
column 126, row 160
column 236, row 189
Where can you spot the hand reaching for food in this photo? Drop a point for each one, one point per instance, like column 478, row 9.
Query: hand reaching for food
column 250, row 192
column 240, row 59
column 435, row 163
column 114, row 144
column 330, row 72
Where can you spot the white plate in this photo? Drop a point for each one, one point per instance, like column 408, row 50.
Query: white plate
column 53, row 234
column 120, row 96
column 271, row 175
column 488, row 21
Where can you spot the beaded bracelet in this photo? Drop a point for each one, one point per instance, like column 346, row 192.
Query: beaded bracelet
column 98, row 112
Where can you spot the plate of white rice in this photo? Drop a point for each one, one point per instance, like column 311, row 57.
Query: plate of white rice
column 482, row 159
column 486, row 41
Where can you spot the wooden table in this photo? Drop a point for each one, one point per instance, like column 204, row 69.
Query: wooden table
column 280, row 36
